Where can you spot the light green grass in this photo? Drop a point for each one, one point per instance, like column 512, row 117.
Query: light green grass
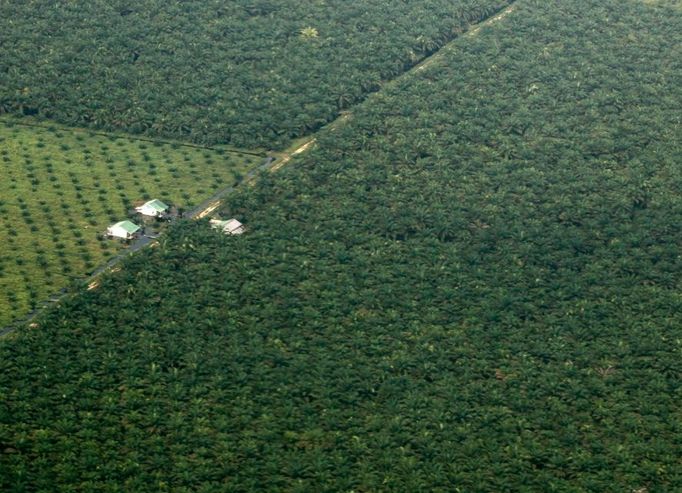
column 60, row 189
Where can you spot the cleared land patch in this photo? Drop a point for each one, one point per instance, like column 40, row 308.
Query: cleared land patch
column 61, row 189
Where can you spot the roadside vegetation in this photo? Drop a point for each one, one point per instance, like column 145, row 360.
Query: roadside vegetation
column 472, row 285
column 60, row 189
column 248, row 73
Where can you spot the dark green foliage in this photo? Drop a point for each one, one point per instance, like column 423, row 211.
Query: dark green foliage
column 233, row 72
column 472, row 286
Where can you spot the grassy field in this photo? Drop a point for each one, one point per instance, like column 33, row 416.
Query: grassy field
column 60, row 189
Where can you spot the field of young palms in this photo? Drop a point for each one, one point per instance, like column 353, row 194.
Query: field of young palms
column 472, row 285
column 61, row 188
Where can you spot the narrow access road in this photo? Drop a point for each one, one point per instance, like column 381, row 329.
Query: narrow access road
column 473, row 30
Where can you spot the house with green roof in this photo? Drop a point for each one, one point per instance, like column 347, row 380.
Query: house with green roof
column 152, row 208
column 123, row 229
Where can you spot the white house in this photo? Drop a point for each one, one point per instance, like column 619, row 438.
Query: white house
column 153, row 208
column 123, row 229
column 229, row 227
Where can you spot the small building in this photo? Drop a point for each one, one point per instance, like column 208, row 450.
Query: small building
column 229, row 227
column 123, row 229
column 152, row 208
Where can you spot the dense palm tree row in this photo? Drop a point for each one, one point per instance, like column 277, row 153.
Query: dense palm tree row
column 252, row 74
column 473, row 285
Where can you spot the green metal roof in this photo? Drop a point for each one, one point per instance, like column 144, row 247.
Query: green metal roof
column 127, row 226
column 157, row 205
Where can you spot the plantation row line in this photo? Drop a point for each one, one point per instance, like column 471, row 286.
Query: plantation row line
column 23, row 121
